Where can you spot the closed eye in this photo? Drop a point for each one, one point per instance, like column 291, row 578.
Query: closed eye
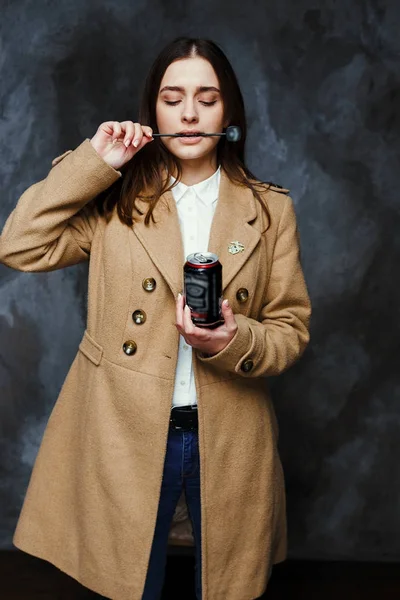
column 201, row 102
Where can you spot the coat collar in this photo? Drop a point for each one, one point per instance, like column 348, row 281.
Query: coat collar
column 235, row 220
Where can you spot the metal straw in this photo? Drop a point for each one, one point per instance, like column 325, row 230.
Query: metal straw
column 233, row 134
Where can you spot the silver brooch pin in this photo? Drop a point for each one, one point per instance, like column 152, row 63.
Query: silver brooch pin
column 235, row 247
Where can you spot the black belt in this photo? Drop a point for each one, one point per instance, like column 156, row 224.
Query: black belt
column 184, row 418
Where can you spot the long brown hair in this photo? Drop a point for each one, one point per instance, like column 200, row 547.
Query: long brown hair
column 142, row 175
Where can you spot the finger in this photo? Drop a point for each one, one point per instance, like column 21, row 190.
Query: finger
column 117, row 131
column 228, row 316
column 138, row 135
column 179, row 311
column 179, row 316
column 181, row 330
column 107, row 127
column 129, row 132
column 145, row 140
column 148, row 132
column 187, row 321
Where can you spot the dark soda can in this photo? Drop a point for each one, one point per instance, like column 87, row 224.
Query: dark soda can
column 202, row 276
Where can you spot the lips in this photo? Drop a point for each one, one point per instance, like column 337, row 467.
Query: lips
column 189, row 133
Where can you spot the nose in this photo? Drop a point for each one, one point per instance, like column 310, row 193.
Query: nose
column 189, row 112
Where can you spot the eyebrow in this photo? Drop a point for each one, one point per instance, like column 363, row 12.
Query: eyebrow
column 202, row 88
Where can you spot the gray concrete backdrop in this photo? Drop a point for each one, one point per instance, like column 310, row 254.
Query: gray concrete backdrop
column 321, row 85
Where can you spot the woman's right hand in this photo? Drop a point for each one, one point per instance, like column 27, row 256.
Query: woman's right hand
column 118, row 142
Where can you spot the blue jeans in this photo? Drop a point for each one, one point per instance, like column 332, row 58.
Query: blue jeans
column 181, row 471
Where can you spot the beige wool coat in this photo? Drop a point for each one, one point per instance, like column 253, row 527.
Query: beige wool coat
column 92, row 500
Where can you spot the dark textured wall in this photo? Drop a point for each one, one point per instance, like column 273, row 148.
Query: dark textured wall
column 321, row 85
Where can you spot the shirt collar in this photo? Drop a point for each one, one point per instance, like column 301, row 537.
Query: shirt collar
column 206, row 191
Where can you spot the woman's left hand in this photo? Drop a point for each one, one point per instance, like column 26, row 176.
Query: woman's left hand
column 208, row 341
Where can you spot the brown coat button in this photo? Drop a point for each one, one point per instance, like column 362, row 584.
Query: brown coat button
column 247, row 365
column 129, row 347
column 242, row 295
column 139, row 317
column 149, row 284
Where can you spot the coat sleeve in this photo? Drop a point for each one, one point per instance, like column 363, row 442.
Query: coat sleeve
column 271, row 344
column 53, row 223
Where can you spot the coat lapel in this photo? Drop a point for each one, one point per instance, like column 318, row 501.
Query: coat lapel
column 162, row 240
column 236, row 208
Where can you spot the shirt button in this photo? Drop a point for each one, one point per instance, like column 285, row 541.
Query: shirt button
column 191, row 238
column 185, row 347
column 183, row 382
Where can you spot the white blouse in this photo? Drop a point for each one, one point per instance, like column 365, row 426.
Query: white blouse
column 196, row 207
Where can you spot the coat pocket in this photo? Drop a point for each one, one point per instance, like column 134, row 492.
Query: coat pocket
column 91, row 349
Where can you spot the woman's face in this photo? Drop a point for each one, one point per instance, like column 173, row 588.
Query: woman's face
column 189, row 99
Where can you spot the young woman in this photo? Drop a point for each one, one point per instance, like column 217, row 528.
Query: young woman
column 153, row 404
